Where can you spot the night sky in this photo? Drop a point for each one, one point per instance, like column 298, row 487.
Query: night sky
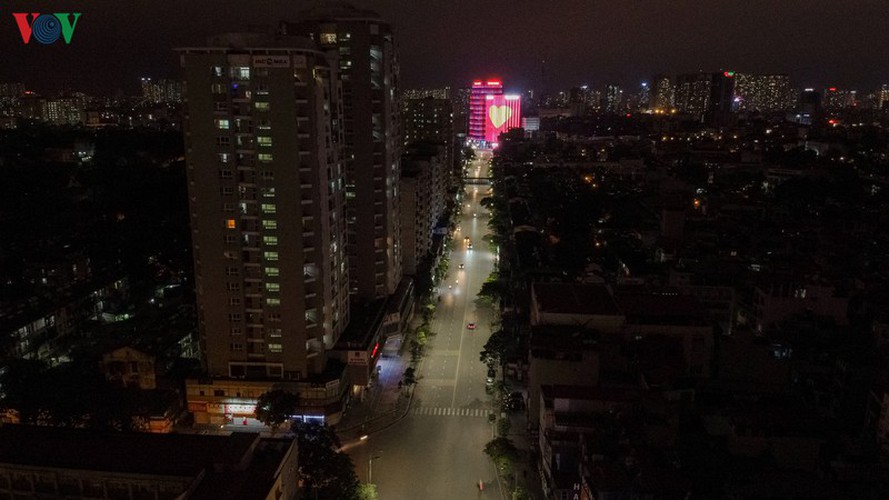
column 818, row 42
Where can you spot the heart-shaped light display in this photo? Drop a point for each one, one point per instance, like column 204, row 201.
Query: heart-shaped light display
column 499, row 115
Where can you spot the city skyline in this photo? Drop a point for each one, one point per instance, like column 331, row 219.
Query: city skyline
column 596, row 44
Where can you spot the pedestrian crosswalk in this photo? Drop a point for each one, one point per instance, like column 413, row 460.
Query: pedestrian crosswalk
column 449, row 412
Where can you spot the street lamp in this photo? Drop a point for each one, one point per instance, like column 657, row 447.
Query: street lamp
column 370, row 467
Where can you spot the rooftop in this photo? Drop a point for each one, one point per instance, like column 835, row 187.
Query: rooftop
column 570, row 298
column 158, row 454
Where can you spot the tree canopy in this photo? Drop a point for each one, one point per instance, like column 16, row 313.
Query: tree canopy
column 275, row 407
column 327, row 474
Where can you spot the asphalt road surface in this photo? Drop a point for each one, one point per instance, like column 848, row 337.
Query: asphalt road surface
column 435, row 453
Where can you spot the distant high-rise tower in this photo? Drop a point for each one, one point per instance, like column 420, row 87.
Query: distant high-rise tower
column 692, row 94
column 836, row 99
column 161, row 91
column 883, row 97
column 613, row 98
column 431, row 120
column 265, row 182
column 372, row 152
column 661, row 94
column 722, row 94
column 762, row 93
column 478, row 106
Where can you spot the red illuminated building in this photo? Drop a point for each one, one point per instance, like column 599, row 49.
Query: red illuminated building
column 478, row 106
column 502, row 112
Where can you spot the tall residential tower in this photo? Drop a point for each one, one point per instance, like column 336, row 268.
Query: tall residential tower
column 263, row 132
column 364, row 44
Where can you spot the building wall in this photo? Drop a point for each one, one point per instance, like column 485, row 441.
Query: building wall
column 128, row 367
column 781, row 303
column 365, row 47
column 478, row 106
column 266, row 195
column 221, row 401
column 19, row 481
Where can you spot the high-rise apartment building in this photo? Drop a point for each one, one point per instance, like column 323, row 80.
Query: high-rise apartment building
column 428, row 119
column 613, row 98
column 440, row 93
column 763, row 93
column 161, row 91
column 364, row 44
column 692, row 93
column 722, row 94
column 431, row 119
column 883, row 96
column 478, row 106
column 263, row 132
column 460, row 102
column 423, row 184
column 661, row 94
column 836, row 99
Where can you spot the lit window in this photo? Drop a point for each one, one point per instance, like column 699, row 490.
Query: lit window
column 272, row 271
column 272, row 256
column 265, row 157
column 328, row 38
column 268, row 192
column 274, row 347
column 264, row 125
column 270, row 240
column 273, row 287
column 261, row 106
column 269, row 208
column 222, row 124
column 223, row 157
column 240, row 73
column 273, row 301
column 264, row 140
column 231, row 224
column 217, row 71
column 270, row 224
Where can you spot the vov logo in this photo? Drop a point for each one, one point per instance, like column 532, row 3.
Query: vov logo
column 46, row 28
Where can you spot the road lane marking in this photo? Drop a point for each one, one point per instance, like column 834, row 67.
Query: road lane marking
column 440, row 411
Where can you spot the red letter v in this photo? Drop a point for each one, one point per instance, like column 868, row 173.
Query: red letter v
column 21, row 18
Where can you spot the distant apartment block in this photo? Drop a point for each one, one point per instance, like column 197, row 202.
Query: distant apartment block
column 424, row 179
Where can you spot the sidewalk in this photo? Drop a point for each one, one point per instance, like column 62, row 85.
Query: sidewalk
column 384, row 402
column 526, row 474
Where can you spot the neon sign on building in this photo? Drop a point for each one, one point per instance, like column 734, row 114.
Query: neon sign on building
column 502, row 112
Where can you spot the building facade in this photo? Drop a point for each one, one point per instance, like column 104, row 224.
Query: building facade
column 423, row 187
column 762, row 93
column 661, row 94
column 478, row 106
column 266, row 189
column 368, row 67
column 503, row 112
column 431, row 119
